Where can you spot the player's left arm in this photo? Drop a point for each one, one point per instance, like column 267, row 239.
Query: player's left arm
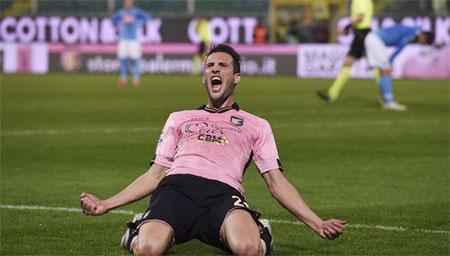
column 288, row 196
column 143, row 17
column 116, row 18
column 407, row 38
column 397, row 51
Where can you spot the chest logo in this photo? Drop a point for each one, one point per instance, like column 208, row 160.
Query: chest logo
column 236, row 121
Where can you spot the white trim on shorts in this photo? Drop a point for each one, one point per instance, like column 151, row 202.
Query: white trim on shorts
column 376, row 51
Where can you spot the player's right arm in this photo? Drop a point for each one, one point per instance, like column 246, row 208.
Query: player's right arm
column 138, row 189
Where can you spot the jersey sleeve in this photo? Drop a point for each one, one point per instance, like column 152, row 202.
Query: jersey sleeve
column 143, row 16
column 265, row 154
column 166, row 147
column 116, row 18
column 409, row 35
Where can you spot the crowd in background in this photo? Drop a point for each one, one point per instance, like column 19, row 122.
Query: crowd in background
column 292, row 21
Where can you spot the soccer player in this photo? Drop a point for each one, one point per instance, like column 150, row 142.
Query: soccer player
column 378, row 57
column 128, row 20
column 361, row 16
column 196, row 176
column 203, row 31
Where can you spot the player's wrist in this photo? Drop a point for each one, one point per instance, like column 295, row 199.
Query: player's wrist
column 108, row 205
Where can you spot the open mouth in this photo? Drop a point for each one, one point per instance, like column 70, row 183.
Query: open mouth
column 216, row 83
column 215, row 80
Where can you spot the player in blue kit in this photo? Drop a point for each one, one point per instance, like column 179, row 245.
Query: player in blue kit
column 128, row 20
column 376, row 44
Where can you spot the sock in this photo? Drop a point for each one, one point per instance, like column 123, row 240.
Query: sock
column 377, row 75
column 123, row 69
column 339, row 83
column 135, row 69
column 264, row 246
column 386, row 89
column 266, row 239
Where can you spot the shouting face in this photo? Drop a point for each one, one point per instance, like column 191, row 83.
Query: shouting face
column 219, row 79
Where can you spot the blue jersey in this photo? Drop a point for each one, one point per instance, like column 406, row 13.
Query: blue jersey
column 128, row 21
column 398, row 36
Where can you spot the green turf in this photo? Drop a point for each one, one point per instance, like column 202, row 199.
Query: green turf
column 63, row 134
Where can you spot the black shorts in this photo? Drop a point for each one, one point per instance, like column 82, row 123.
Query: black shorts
column 195, row 207
column 357, row 49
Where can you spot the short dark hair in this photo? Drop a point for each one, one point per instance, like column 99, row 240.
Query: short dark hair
column 429, row 37
column 230, row 51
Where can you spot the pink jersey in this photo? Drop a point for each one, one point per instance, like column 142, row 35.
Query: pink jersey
column 216, row 144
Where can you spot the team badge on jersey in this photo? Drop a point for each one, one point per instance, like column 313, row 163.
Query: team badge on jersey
column 236, row 121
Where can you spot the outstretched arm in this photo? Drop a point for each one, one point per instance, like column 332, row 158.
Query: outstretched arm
column 288, row 196
column 138, row 189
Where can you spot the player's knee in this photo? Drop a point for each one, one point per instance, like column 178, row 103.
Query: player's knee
column 246, row 247
column 348, row 62
column 150, row 247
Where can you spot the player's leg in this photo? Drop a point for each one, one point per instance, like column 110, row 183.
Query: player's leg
column 387, row 92
column 378, row 58
column 341, row 80
column 227, row 222
column 154, row 238
column 168, row 219
column 376, row 75
column 385, row 84
column 356, row 52
column 332, row 93
column 136, row 72
column 135, row 54
column 123, row 63
column 123, row 72
column 241, row 234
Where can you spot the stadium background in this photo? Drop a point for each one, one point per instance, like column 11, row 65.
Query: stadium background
column 66, row 128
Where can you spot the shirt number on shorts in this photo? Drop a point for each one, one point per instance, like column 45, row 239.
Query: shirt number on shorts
column 239, row 202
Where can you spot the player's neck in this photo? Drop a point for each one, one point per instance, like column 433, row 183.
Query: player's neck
column 221, row 104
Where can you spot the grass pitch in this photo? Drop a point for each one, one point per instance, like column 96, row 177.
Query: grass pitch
column 385, row 173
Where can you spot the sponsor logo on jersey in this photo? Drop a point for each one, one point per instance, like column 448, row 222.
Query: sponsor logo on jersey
column 208, row 138
column 210, row 132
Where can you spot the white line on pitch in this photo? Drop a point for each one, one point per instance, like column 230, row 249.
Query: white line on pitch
column 359, row 226
column 78, row 131
column 112, row 130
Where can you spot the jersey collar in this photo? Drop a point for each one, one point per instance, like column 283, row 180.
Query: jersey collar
column 235, row 106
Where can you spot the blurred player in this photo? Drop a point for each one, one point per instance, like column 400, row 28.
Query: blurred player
column 196, row 176
column 204, row 34
column 361, row 16
column 378, row 57
column 128, row 20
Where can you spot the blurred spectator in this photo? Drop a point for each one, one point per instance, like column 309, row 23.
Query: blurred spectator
column 261, row 33
column 321, row 17
column 294, row 32
column 203, row 31
column 281, row 32
column 306, row 28
column 321, row 32
column 128, row 20
column 440, row 7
